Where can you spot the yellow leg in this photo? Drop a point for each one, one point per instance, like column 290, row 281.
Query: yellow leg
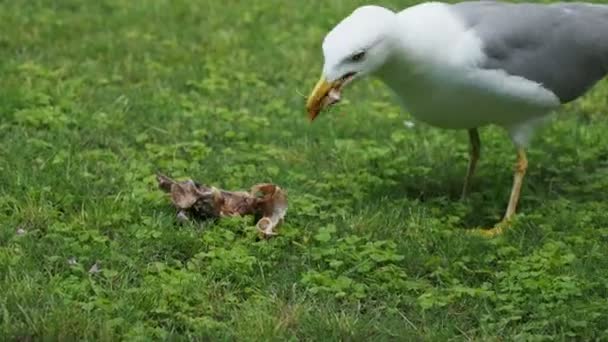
column 520, row 171
column 473, row 158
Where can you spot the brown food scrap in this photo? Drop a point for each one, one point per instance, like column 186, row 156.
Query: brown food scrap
column 193, row 200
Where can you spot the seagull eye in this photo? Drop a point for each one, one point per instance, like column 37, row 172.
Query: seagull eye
column 358, row 56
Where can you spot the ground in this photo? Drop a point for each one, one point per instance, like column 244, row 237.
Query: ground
column 98, row 96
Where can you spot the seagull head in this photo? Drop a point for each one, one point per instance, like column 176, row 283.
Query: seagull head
column 358, row 46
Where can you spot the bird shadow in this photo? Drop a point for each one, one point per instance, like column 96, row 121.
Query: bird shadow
column 491, row 188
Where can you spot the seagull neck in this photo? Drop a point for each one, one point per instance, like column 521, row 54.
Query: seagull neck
column 397, row 69
column 401, row 66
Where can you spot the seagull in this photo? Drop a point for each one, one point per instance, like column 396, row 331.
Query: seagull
column 471, row 64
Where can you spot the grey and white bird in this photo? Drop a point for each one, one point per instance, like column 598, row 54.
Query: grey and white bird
column 472, row 64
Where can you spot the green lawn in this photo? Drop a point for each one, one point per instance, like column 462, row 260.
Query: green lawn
column 99, row 95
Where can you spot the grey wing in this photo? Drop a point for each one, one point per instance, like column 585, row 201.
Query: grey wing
column 562, row 46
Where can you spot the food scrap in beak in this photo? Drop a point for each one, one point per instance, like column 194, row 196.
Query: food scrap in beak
column 320, row 97
column 325, row 94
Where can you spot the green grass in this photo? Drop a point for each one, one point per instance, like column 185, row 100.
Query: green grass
column 97, row 96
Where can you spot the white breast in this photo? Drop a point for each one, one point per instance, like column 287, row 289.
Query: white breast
column 436, row 76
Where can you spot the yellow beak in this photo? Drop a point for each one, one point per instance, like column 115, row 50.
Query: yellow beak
column 317, row 99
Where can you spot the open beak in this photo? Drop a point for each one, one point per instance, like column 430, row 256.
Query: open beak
column 317, row 99
column 325, row 94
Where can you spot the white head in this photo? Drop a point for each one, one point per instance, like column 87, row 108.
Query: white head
column 358, row 46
